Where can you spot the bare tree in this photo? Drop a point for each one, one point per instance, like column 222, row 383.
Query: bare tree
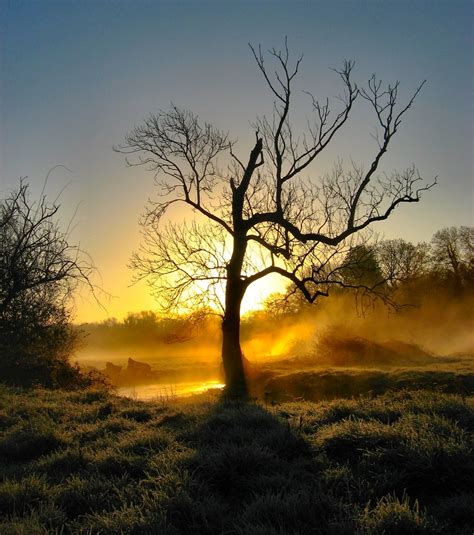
column 39, row 270
column 35, row 252
column 453, row 253
column 267, row 214
column 401, row 261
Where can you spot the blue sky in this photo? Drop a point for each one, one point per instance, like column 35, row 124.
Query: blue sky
column 75, row 76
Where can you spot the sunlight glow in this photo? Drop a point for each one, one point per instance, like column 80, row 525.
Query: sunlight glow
column 160, row 391
column 260, row 290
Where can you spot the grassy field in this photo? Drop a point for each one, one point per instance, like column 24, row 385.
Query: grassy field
column 332, row 383
column 91, row 462
column 351, row 367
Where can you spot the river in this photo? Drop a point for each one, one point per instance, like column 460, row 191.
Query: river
column 162, row 391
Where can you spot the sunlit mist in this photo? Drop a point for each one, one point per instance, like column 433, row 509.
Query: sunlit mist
column 169, row 392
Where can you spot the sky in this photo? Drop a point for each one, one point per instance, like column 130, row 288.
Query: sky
column 76, row 76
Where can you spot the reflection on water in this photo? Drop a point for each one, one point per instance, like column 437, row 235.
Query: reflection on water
column 168, row 391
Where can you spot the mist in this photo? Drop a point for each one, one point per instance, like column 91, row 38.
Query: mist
column 341, row 330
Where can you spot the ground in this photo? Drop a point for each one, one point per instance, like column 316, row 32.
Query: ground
column 91, row 462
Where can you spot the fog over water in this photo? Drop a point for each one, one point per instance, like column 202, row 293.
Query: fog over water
column 178, row 358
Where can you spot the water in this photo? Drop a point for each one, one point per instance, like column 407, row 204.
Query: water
column 168, row 391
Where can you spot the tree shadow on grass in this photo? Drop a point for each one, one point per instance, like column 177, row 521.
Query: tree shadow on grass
column 253, row 474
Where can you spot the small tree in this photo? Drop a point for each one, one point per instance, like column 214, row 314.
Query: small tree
column 39, row 271
column 266, row 214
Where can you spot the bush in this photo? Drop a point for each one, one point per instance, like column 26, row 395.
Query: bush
column 338, row 347
column 39, row 270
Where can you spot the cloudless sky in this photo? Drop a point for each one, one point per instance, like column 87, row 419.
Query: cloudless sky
column 76, row 76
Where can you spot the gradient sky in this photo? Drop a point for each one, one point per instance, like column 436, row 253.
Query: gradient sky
column 75, row 76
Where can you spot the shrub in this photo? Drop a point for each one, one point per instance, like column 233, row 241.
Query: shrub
column 39, row 270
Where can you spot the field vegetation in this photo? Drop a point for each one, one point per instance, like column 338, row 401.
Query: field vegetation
column 91, row 462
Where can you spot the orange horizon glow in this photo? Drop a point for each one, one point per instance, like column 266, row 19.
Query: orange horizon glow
column 79, row 99
column 137, row 298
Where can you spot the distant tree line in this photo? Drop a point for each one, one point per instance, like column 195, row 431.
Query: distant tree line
column 400, row 273
column 404, row 270
column 40, row 270
column 397, row 271
column 145, row 329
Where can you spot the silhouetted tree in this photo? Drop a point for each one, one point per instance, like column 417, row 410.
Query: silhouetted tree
column 453, row 254
column 401, row 261
column 266, row 214
column 361, row 268
column 39, row 270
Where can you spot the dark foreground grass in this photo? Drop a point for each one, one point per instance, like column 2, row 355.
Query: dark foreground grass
column 93, row 463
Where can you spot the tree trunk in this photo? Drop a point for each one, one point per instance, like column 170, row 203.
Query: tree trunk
column 236, row 384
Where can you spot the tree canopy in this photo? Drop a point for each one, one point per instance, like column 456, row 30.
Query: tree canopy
column 268, row 213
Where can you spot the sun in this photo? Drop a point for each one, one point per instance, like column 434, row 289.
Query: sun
column 259, row 291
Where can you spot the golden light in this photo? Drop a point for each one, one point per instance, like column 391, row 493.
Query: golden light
column 260, row 290
column 167, row 392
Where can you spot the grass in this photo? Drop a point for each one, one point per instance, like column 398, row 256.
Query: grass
column 90, row 463
column 333, row 383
